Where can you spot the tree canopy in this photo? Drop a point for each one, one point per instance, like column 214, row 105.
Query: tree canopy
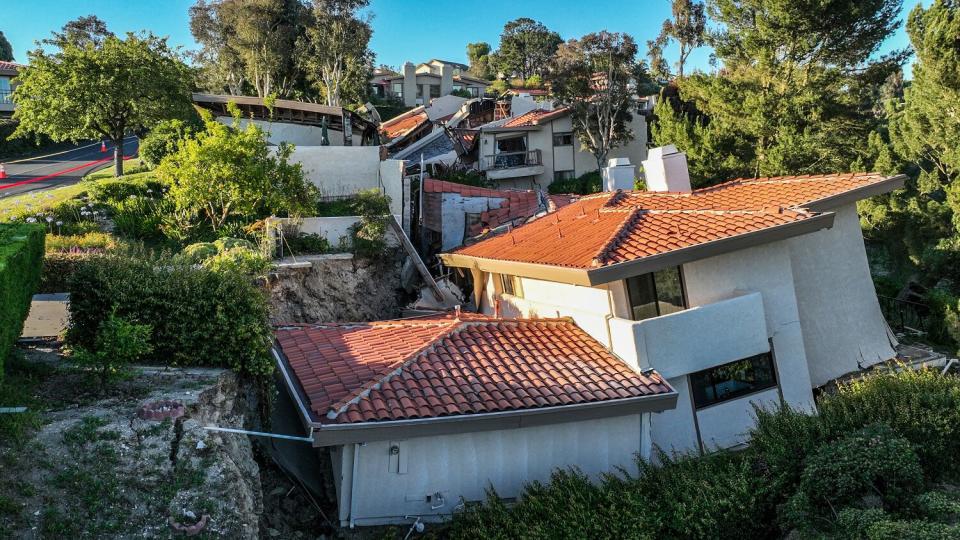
column 6, row 50
column 526, row 47
column 687, row 28
column 336, row 56
column 80, row 32
column 796, row 93
column 597, row 77
column 102, row 90
column 479, row 56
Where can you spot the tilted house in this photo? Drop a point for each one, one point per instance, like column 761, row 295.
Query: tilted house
column 424, row 413
column 749, row 292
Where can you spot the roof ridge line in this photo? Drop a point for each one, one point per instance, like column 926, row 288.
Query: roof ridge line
column 614, row 238
column 364, row 390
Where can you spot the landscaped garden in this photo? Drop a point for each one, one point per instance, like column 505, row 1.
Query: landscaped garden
column 878, row 461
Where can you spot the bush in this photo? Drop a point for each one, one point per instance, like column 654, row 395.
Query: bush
column 873, row 461
column 163, row 140
column 586, row 184
column 58, row 269
column 199, row 317
column 297, row 244
column 21, row 257
column 119, row 343
column 369, row 234
column 91, row 242
column 226, row 255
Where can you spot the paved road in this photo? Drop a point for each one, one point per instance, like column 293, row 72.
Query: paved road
column 32, row 175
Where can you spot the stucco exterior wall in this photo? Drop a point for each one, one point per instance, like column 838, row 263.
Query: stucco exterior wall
column 835, row 291
column 453, row 217
column 299, row 135
column 387, row 488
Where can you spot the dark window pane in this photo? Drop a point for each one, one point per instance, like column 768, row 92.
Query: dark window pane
column 669, row 290
column 506, row 284
column 643, row 297
column 733, row 380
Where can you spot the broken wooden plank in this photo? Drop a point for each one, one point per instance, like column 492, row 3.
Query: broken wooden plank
column 415, row 257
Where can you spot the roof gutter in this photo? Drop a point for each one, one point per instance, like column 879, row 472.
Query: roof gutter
column 605, row 274
column 340, row 434
column 863, row 192
column 295, row 391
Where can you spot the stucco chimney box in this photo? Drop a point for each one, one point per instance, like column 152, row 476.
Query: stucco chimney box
column 619, row 174
column 665, row 169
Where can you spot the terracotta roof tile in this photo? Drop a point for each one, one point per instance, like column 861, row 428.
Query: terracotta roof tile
column 400, row 126
column 534, row 117
column 442, row 366
column 608, row 228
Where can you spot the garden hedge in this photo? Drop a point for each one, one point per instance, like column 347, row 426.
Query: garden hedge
column 21, row 259
column 199, row 317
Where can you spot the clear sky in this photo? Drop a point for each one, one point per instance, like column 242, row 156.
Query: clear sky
column 414, row 30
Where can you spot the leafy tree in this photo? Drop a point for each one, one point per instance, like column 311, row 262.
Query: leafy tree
column 103, row 90
column 80, row 32
column 526, row 47
column 164, row 138
column 597, row 77
column 336, row 54
column 6, row 50
column 688, row 29
column 225, row 173
column 479, row 55
column 248, row 43
column 796, row 92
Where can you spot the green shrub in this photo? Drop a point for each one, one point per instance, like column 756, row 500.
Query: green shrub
column 21, row 257
column 872, row 461
column 164, row 138
column 199, row 317
column 298, row 243
column 80, row 243
column 238, row 259
column 118, row 344
column 199, row 252
column 58, row 269
column 585, row 184
column 369, row 234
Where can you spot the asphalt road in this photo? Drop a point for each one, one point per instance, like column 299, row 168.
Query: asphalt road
column 46, row 172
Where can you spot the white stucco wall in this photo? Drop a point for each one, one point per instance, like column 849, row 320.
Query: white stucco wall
column 453, row 219
column 835, row 291
column 336, row 230
column 296, row 134
column 465, row 465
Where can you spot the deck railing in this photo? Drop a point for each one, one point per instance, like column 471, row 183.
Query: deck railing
column 904, row 315
column 6, row 97
column 509, row 160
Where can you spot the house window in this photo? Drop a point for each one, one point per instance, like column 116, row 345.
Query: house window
column 434, row 90
column 733, row 380
column 563, row 139
column 510, row 285
column 656, row 293
column 474, row 91
column 563, row 175
column 457, row 87
column 398, row 89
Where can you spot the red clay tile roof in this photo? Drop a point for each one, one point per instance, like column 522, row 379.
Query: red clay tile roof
column 609, row 228
column 442, row 366
column 9, row 67
column 515, row 205
column 534, row 118
column 401, row 125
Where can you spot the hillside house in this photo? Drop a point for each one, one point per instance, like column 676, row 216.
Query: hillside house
column 417, row 85
column 8, row 72
column 421, row 414
column 534, row 148
column 748, row 292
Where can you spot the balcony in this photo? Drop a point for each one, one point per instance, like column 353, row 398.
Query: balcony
column 694, row 339
column 6, row 100
column 513, row 164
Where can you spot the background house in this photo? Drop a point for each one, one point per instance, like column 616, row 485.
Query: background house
column 8, row 71
column 745, row 293
column 417, row 85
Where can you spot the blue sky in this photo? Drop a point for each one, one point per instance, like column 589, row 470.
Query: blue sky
column 414, row 30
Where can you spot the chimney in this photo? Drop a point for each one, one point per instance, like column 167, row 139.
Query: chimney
column 619, row 174
column 409, row 84
column 665, row 169
column 446, row 79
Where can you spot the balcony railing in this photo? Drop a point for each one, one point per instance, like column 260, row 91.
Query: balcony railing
column 904, row 315
column 510, row 160
column 6, row 97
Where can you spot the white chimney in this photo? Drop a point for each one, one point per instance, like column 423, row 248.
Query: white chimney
column 619, row 174
column 665, row 169
column 409, row 84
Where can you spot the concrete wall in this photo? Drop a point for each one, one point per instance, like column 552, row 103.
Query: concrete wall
column 335, row 230
column 391, row 487
column 835, row 291
column 296, row 134
column 453, row 218
column 344, row 170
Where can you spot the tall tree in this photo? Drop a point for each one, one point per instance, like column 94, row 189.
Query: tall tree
column 335, row 50
column 597, row 76
column 687, row 28
column 6, row 50
column 80, row 32
column 479, row 56
column 526, row 47
column 795, row 94
column 103, row 90
column 249, row 42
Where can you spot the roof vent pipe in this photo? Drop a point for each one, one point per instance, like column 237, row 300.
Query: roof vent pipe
column 665, row 169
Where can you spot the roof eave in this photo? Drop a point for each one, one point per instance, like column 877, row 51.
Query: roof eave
column 294, row 388
column 562, row 274
column 863, row 192
column 618, row 271
column 339, row 434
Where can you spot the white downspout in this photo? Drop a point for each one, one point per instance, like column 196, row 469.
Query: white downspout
column 353, row 480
